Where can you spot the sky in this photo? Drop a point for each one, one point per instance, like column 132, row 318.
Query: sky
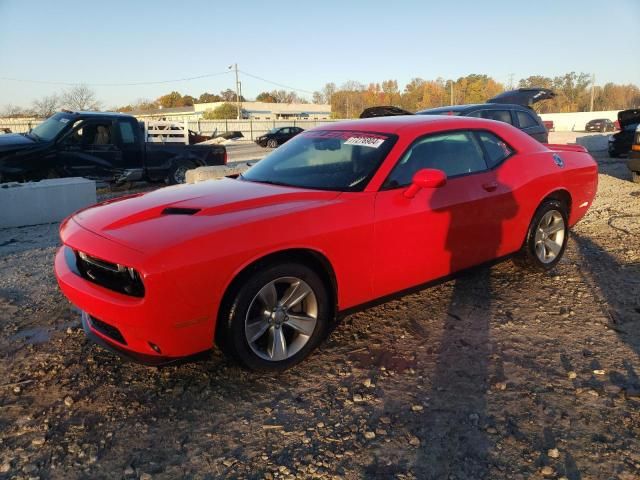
column 303, row 44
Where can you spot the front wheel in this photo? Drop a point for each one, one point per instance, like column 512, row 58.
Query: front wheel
column 272, row 143
column 547, row 236
column 635, row 177
column 178, row 173
column 277, row 317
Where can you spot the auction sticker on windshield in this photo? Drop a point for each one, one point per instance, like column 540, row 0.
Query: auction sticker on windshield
column 365, row 141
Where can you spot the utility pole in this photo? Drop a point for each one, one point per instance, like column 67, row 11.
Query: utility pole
column 593, row 86
column 451, row 92
column 235, row 67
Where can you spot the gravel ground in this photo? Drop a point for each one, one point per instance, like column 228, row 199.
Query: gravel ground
column 501, row 373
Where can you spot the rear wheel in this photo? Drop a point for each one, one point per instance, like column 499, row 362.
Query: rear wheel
column 277, row 317
column 547, row 236
column 178, row 173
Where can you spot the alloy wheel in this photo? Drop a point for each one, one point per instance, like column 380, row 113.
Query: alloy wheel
column 549, row 237
column 281, row 319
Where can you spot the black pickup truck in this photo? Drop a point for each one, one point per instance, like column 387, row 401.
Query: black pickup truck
column 102, row 146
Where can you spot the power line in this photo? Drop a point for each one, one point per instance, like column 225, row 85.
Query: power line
column 275, row 83
column 129, row 84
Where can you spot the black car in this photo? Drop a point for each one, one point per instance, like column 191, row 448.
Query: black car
column 277, row 136
column 620, row 142
column 101, row 146
column 513, row 107
column 599, row 125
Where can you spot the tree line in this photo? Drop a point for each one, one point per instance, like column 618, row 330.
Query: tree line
column 573, row 94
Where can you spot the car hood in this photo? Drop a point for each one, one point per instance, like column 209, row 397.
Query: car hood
column 627, row 117
column 15, row 141
column 173, row 215
column 523, row 96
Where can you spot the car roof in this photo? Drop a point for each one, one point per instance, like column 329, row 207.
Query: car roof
column 396, row 123
column 83, row 113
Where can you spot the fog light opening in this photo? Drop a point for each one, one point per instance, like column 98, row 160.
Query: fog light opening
column 155, row 347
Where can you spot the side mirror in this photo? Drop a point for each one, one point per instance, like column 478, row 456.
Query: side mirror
column 425, row 178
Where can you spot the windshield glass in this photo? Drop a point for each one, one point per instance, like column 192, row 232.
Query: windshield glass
column 324, row 160
column 274, row 130
column 50, row 128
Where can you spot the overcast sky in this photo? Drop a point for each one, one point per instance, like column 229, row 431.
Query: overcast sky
column 304, row 44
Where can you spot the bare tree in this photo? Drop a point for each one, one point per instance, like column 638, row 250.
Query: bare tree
column 80, row 97
column 46, row 106
column 10, row 110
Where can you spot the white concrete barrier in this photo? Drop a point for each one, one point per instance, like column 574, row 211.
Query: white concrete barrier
column 576, row 121
column 46, row 201
column 201, row 174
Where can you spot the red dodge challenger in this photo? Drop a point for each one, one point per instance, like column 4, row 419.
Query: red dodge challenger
column 338, row 217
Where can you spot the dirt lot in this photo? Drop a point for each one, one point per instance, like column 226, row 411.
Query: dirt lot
column 501, row 373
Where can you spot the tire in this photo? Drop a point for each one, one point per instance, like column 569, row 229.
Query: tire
column 614, row 154
column 177, row 173
column 542, row 250
column 274, row 342
column 635, row 177
column 272, row 143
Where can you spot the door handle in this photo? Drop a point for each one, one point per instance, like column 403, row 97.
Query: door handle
column 490, row 187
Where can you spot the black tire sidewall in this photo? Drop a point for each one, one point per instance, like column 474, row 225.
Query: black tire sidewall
column 180, row 164
column 234, row 317
column 529, row 246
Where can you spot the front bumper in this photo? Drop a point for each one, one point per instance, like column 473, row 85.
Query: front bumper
column 173, row 319
column 142, row 358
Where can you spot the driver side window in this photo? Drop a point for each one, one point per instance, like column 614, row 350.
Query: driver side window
column 455, row 153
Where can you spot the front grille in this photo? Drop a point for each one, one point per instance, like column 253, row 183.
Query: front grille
column 109, row 275
column 107, row 330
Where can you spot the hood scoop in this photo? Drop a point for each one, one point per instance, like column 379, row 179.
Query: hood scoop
column 180, row 211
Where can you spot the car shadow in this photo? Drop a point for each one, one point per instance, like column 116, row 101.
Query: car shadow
column 453, row 431
column 602, row 273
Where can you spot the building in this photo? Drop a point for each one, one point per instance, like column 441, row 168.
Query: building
column 275, row 111
column 250, row 110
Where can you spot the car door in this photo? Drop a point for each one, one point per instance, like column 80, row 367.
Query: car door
column 531, row 126
column 442, row 230
column 284, row 134
column 90, row 150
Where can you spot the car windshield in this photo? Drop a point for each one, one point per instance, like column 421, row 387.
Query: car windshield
column 274, row 130
column 342, row 160
column 50, row 128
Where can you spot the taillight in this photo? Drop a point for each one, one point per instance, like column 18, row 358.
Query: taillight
column 224, row 158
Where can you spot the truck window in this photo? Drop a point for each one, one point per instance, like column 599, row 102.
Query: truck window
column 126, row 132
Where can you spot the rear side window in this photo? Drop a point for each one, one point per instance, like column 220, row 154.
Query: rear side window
column 455, row 153
column 497, row 150
column 498, row 115
column 526, row 120
column 126, row 132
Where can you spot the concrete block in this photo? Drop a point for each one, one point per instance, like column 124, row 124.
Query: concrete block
column 46, row 201
column 201, row 174
column 594, row 143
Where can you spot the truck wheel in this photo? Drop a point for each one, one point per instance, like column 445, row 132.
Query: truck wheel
column 276, row 318
column 546, row 238
column 635, row 177
column 178, row 173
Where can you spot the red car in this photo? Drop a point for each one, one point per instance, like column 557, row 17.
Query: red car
column 338, row 217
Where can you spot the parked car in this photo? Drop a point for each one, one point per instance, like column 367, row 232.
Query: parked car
column 339, row 217
column 277, row 136
column 512, row 107
column 634, row 157
column 620, row 142
column 599, row 125
column 548, row 124
column 100, row 146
